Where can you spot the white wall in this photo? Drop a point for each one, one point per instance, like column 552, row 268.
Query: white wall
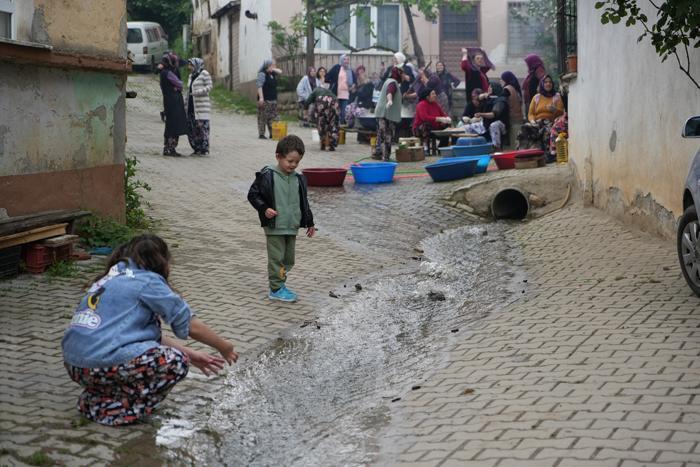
column 255, row 39
column 626, row 110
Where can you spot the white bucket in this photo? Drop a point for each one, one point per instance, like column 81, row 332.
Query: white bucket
column 315, row 137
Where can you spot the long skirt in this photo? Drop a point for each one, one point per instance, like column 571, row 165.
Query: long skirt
column 199, row 136
column 327, row 112
column 266, row 115
column 386, row 129
column 127, row 393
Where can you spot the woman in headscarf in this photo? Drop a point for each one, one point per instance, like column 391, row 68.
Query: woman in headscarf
column 448, row 81
column 512, row 92
column 342, row 80
column 435, row 84
column 547, row 103
column 327, row 116
column 267, row 96
column 388, row 113
column 475, row 64
column 306, row 86
column 174, row 107
column 535, row 74
column 199, row 85
column 429, row 116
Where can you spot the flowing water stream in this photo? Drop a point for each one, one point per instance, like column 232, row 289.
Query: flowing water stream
column 322, row 393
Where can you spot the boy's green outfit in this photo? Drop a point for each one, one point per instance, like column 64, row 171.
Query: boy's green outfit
column 281, row 239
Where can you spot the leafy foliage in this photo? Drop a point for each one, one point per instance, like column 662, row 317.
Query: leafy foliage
column 97, row 231
column 135, row 215
column 546, row 12
column 62, row 269
column 171, row 14
column 676, row 30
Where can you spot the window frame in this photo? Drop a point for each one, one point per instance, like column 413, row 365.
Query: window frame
column 8, row 6
column 323, row 45
column 476, row 6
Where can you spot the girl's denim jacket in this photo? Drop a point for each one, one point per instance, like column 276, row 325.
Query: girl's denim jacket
column 119, row 318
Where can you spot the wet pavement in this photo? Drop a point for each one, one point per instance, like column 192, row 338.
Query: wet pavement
column 553, row 344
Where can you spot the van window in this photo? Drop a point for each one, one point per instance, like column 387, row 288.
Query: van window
column 156, row 34
column 150, row 35
column 134, row 36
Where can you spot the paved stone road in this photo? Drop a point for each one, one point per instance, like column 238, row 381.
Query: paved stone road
column 595, row 365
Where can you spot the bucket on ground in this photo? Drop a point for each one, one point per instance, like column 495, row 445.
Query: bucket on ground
column 279, row 130
column 315, row 137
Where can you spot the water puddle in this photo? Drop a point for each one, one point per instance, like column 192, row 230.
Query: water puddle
column 322, row 393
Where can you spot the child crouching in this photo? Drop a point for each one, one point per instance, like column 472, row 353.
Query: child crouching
column 114, row 348
column 279, row 194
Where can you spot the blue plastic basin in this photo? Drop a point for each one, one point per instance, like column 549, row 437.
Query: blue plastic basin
column 373, row 172
column 482, row 165
column 475, row 150
column 470, row 141
column 452, row 169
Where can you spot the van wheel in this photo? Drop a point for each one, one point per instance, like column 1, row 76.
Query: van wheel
column 688, row 244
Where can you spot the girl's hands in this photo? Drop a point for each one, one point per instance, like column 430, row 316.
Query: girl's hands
column 207, row 364
column 226, row 351
column 270, row 213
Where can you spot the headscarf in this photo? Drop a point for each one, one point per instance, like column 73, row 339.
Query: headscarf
column 496, row 88
column 509, row 78
column 541, row 90
column 434, row 83
column 473, row 52
column 400, row 58
column 349, row 76
column 266, row 63
column 197, row 65
column 311, row 77
column 533, row 62
column 170, row 61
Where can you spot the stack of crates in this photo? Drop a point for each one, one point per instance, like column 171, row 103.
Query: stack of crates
column 39, row 256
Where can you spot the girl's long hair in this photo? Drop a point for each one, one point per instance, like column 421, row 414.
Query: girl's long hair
column 147, row 251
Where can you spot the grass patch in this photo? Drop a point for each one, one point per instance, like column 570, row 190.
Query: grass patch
column 79, row 422
column 62, row 269
column 232, row 101
column 38, row 458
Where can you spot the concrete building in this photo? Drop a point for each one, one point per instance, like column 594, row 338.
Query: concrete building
column 626, row 111
column 234, row 44
column 62, row 113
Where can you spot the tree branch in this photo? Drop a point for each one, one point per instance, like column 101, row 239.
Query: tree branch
column 353, row 49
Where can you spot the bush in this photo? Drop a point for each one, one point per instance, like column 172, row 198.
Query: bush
column 135, row 215
column 97, row 231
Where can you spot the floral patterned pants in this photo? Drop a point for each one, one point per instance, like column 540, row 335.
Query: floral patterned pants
column 386, row 129
column 327, row 112
column 126, row 393
column 266, row 115
column 199, row 136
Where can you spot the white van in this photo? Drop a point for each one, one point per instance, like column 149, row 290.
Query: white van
column 146, row 42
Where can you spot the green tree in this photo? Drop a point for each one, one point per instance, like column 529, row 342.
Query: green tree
column 675, row 31
column 320, row 13
column 171, row 14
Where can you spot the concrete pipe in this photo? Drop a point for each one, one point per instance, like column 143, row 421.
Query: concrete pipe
column 510, row 203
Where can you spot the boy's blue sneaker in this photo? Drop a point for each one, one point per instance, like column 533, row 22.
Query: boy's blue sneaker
column 283, row 295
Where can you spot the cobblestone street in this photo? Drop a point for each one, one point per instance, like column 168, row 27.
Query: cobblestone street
column 597, row 363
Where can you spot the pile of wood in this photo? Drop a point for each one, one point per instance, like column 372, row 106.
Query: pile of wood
column 39, row 239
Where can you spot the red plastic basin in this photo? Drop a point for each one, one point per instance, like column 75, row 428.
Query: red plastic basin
column 325, row 176
column 506, row 160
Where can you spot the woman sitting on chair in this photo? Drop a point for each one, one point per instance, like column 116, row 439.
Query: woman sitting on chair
column 429, row 117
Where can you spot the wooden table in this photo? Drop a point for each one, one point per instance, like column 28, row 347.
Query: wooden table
column 452, row 134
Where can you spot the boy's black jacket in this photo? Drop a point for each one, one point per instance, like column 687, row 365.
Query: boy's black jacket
column 262, row 196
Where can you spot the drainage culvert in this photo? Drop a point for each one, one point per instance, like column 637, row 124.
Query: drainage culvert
column 510, row 203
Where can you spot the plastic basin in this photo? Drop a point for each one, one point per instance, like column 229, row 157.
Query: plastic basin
column 470, row 141
column 506, row 160
column 321, row 176
column 373, row 172
column 452, row 169
column 474, row 150
column 446, row 152
column 482, row 161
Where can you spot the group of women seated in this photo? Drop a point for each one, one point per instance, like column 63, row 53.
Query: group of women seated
column 496, row 109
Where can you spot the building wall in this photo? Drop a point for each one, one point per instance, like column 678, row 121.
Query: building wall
column 626, row 111
column 62, row 115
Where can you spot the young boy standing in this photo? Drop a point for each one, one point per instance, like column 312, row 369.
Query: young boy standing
column 279, row 195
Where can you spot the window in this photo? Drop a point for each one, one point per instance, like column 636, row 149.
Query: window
column 134, row 36
column 388, row 26
column 341, row 28
column 460, row 26
column 363, row 20
column 354, row 25
column 524, row 33
column 7, row 12
column 205, row 43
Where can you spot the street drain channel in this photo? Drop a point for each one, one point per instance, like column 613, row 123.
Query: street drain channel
column 322, row 394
